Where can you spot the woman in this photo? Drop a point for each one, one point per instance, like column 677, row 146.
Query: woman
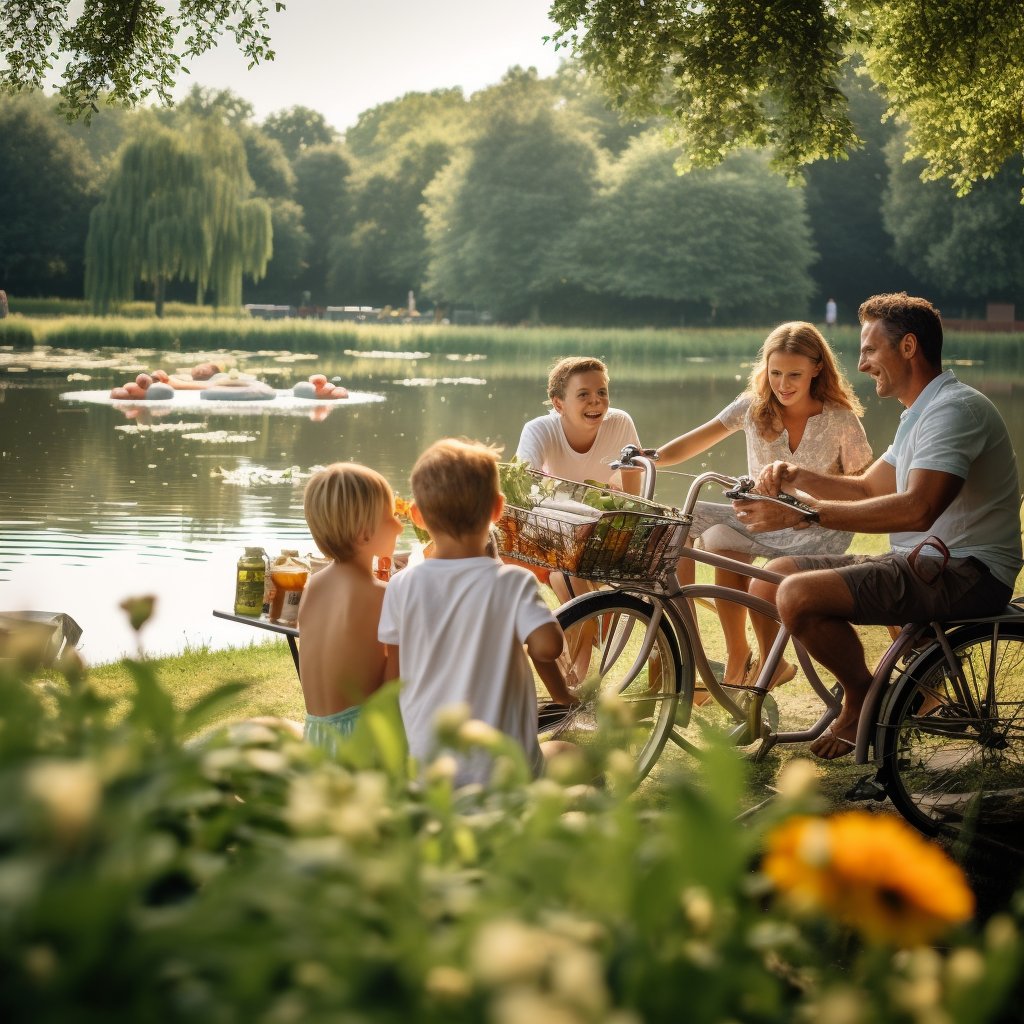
column 798, row 407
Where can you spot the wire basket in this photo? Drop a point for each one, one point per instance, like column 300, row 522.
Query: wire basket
column 617, row 539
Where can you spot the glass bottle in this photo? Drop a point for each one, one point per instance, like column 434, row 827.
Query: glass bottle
column 250, row 577
column 289, row 574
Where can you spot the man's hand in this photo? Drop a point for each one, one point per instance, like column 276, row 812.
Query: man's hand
column 775, row 476
column 762, row 516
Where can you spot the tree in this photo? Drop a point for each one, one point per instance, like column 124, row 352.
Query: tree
column 46, row 192
column 322, row 190
column 288, row 264
column 727, row 242
column 967, row 248
column 298, row 128
column 269, row 169
column 122, row 47
column 222, row 105
column 178, row 206
column 399, row 147
column 844, row 205
column 523, row 181
column 733, row 73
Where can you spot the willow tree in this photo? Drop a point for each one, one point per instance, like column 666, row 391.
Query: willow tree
column 178, row 206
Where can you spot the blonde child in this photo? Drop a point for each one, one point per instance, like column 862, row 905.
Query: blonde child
column 455, row 624
column 350, row 511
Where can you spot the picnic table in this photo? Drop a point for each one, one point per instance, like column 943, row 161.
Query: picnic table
column 260, row 622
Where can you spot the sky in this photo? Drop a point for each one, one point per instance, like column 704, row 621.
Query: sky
column 341, row 57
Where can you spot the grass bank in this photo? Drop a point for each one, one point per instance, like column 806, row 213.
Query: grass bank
column 202, row 333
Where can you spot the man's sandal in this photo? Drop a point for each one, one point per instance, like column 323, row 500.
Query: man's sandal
column 847, row 746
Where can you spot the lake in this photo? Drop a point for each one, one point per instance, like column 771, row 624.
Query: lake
column 96, row 506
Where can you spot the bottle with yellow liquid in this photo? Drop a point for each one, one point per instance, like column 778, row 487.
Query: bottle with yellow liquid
column 250, row 576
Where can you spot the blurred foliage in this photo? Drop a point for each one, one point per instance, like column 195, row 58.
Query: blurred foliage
column 123, row 49
column 728, row 74
column 242, row 874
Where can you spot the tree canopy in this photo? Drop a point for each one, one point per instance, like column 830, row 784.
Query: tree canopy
column 731, row 239
column 734, row 73
column 46, row 192
column 178, row 206
column 128, row 49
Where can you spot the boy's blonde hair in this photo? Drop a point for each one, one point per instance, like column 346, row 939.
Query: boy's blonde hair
column 344, row 503
column 455, row 484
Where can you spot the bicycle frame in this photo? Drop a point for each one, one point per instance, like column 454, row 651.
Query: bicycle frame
column 679, row 607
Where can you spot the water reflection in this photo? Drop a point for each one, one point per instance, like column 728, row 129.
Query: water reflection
column 100, row 502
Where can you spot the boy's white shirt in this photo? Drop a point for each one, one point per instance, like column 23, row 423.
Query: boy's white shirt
column 460, row 625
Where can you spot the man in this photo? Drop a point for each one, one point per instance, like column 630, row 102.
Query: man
column 950, row 473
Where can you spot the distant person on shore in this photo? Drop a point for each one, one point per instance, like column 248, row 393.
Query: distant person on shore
column 799, row 408
column 350, row 510
column 831, row 312
column 3, row 304
column 455, row 625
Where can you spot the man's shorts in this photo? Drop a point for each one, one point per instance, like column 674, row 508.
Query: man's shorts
column 888, row 591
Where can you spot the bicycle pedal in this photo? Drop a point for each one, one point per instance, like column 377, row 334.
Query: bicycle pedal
column 867, row 787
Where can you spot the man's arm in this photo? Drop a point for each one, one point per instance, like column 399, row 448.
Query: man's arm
column 879, row 478
column 928, row 494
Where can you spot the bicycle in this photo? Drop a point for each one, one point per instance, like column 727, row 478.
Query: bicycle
column 944, row 717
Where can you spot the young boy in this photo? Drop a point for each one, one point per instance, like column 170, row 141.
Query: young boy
column 455, row 624
column 350, row 511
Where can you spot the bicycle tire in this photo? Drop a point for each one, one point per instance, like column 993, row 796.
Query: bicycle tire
column 605, row 634
column 953, row 760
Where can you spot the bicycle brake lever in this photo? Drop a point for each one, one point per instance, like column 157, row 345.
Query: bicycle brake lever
column 744, row 484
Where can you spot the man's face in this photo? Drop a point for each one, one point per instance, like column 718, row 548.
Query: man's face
column 880, row 359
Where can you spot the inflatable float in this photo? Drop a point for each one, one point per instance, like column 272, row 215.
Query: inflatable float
column 215, row 385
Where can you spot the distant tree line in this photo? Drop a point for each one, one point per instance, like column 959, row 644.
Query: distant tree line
column 530, row 200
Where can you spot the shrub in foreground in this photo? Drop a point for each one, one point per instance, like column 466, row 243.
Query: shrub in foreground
column 246, row 876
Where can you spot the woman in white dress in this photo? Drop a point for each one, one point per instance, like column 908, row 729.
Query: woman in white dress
column 798, row 407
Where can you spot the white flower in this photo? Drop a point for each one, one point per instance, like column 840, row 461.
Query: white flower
column 70, row 791
column 798, row 779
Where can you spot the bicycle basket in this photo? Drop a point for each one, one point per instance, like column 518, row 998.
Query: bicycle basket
column 590, row 532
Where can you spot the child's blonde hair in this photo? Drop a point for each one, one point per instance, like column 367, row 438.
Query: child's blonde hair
column 564, row 369
column 345, row 503
column 455, row 484
column 797, row 337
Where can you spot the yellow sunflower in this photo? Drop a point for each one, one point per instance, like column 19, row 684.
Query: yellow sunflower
column 403, row 509
column 871, row 872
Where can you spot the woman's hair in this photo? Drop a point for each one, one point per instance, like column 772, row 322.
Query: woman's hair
column 830, row 385
column 344, row 503
column 558, row 378
column 455, row 484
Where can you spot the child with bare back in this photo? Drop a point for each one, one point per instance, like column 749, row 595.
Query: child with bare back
column 350, row 511
column 456, row 624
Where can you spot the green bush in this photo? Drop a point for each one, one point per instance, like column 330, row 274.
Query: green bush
column 244, row 875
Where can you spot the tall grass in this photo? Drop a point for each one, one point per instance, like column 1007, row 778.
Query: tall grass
column 617, row 345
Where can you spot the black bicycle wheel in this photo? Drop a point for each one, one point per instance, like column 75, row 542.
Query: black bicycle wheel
column 952, row 745
column 607, row 648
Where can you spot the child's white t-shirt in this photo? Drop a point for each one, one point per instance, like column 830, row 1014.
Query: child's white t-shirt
column 543, row 444
column 460, row 625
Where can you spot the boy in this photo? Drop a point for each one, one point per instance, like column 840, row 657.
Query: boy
column 350, row 511
column 455, row 624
